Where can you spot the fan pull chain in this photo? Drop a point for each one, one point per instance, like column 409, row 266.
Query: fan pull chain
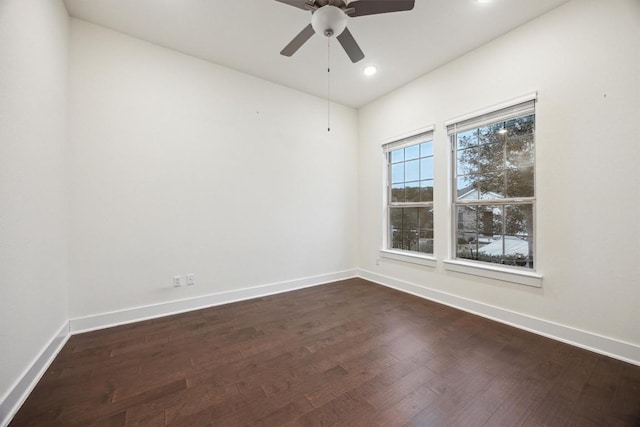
column 328, row 84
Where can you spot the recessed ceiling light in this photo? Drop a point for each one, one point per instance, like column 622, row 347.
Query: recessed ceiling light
column 483, row 1
column 370, row 70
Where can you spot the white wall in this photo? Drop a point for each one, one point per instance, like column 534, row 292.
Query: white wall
column 33, row 198
column 181, row 166
column 584, row 60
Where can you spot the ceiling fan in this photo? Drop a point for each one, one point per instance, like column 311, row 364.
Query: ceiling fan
column 329, row 18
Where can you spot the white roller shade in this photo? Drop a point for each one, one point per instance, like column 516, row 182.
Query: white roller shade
column 408, row 141
column 479, row 119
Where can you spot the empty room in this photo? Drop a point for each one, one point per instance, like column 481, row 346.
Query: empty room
column 319, row 212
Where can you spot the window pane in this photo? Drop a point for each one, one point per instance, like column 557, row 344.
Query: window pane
column 520, row 126
column 503, row 236
column 467, row 246
column 412, row 170
column 489, row 134
column 490, row 221
column 518, row 251
column 491, row 185
column 426, row 168
column 395, row 221
column 397, row 193
column 466, row 232
column 412, row 152
column 520, row 182
column 425, row 224
column 425, row 218
column 467, row 161
column 467, row 187
column 397, row 155
column 426, row 149
column 467, row 139
column 508, row 250
column 490, row 157
column 467, row 217
column 397, row 173
column 519, row 220
column 493, row 251
column 426, row 191
column 410, row 228
column 520, row 151
column 412, row 192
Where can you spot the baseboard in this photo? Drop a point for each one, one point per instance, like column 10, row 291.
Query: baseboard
column 20, row 391
column 12, row 402
column 22, row 388
column 620, row 350
column 136, row 314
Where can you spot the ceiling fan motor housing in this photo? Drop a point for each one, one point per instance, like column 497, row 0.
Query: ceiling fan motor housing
column 329, row 21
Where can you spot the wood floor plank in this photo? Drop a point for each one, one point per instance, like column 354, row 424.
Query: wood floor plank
column 408, row 408
column 389, row 390
column 348, row 353
column 341, row 410
column 356, row 375
column 453, row 398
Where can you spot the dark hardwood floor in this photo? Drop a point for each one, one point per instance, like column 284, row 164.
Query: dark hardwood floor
column 349, row 353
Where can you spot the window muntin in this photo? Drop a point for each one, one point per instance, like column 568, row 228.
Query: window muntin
column 494, row 187
column 410, row 194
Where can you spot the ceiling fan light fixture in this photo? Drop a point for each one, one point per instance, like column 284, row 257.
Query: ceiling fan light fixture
column 329, row 21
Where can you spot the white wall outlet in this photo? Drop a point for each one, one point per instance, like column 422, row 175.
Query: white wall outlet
column 191, row 279
column 177, row 281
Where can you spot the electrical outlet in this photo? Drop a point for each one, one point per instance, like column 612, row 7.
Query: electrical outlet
column 191, row 279
column 177, row 282
column 378, row 261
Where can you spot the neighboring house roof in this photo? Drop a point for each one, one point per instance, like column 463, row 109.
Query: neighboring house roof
column 512, row 246
column 470, row 193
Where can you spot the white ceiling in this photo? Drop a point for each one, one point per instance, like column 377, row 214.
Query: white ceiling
column 247, row 35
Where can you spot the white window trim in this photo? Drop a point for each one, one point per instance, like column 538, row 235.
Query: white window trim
column 490, row 271
column 396, row 142
column 410, row 257
column 513, row 275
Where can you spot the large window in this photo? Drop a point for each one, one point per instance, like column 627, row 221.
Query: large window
column 410, row 194
column 494, row 186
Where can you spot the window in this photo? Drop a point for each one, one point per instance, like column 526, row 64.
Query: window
column 410, row 194
column 494, row 186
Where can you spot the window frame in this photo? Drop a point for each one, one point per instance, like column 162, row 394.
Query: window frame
column 514, row 274
column 409, row 139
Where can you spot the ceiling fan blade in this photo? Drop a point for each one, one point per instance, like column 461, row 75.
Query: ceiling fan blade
column 300, row 4
column 372, row 7
column 350, row 46
column 298, row 41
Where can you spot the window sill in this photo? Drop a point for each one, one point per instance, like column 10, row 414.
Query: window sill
column 409, row 257
column 528, row 278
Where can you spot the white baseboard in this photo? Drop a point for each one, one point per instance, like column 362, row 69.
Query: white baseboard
column 10, row 404
column 24, row 386
column 136, row 314
column 624, row 351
